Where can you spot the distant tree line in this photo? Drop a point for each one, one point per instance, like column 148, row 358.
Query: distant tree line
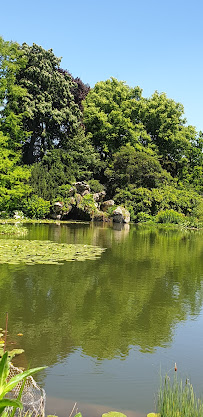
column 55, row 130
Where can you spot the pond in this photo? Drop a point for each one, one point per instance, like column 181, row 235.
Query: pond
column 107, row 327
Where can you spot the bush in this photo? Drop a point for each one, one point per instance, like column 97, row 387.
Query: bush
column 144, row 217
column 88, row 204
column 153, row 201
column 36, row 207
column 96, row 186
column 170, row 216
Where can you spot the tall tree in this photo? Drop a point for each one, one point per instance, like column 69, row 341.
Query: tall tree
column 11, row 62
column 50, row 112
column 164, row 121
column 14, row 179
column 111, row 117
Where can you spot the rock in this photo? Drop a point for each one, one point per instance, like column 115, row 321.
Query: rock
column 121, row 215
column 58, row 207
column 98, row 197
column 55, row 216
column 100, row 216
column 106, row 204
column 85, row 193
column 18, row 215
column 82, row 187
column 71, row 191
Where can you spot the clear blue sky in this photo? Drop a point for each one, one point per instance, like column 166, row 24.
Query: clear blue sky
column 157, row 45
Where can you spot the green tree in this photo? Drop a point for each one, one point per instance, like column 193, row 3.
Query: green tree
column 50, row 114
column 141, row 168
column 111, row 117
column 14, row 179
column 11, row 62
column 59, row 167
column 164, row 121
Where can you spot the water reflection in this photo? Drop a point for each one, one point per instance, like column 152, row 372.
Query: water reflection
column 145, row 283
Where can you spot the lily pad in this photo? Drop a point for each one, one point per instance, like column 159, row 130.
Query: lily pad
column 10, row 229
column 11, row 353
column 113, row 414
column 153, row 415
column 45, row 252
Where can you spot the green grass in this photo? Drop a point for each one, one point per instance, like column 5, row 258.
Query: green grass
column 177, row 399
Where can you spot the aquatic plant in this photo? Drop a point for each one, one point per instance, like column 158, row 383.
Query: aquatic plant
column 45, row 252
column 9, row 229
column 176, row 399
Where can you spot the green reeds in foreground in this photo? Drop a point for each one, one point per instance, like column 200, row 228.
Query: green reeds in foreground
column 176, row 399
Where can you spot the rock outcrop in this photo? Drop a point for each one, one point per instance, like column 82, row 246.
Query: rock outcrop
column 107, row 204
column 84, row 205
column 121, row 215
column 82, row 187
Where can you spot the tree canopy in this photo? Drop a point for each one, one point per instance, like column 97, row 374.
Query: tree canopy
column 55, row 130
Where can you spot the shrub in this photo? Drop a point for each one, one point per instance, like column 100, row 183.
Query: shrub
column 143, row 217
column 96, row 186
column 170, row 216
column 36, row 207
column 152, row 201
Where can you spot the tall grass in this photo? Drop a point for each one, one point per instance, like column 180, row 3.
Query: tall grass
column 176, row 399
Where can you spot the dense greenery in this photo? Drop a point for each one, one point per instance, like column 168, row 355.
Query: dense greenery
column 55, row 130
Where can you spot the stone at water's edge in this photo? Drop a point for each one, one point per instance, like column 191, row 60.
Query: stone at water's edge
column 121, row 215
column 106, row 204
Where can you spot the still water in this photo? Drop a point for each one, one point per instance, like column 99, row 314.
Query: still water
column 107, row 328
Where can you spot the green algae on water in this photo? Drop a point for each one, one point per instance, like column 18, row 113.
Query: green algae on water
column 45, row 252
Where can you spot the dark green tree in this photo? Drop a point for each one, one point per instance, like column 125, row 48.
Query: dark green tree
column 49, row 110
column 58, row 168
column 141, row 168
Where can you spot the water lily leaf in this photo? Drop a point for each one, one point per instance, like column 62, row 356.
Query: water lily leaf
column 113, row 414
column 20, row 334
column 15, row 352
column 153, row 415
column 45, row 252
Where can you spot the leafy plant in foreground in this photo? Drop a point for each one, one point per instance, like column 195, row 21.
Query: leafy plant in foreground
column 7, row 385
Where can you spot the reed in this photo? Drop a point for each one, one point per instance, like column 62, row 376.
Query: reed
column 177, row 399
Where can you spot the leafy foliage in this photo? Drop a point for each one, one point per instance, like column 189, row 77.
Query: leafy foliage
column 152, row 201
column 49, row 111
column 36, row 207
column 139, row 149
column 59, row 168
column 7, row 386
column 130, row 166
column 14, row 178
column 111, row 116
column 170, row 216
